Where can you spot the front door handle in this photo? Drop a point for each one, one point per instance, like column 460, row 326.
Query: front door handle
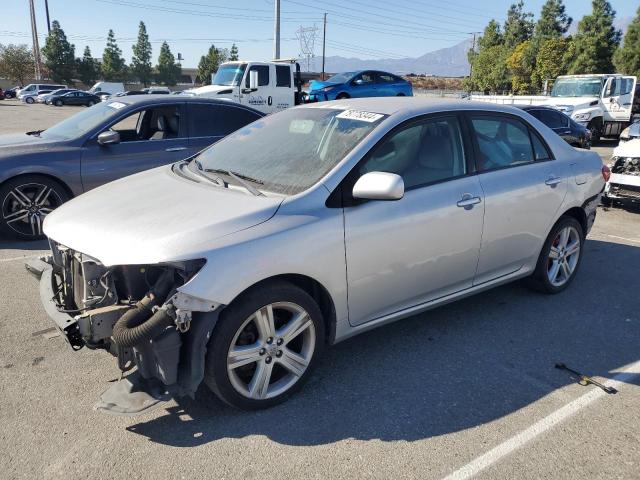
column 552, row 181
column 468, row 201
column 175, row 149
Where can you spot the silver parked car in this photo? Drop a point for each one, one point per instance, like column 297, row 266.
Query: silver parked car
column 305, row 228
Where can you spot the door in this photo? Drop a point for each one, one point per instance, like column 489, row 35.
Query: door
column 208, row 123
column 424, row 246
column 149, row 137
column 618, row 98
column 387, row 85
column 558, row 122
column 523, row 190
column 283, row 94
column 262, row 97
column 363, row 85
column 73, row 98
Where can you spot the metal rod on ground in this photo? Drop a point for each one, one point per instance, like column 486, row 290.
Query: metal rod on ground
column 34, row 38
column 276, row 30
column 324, row 42
column 46, row 9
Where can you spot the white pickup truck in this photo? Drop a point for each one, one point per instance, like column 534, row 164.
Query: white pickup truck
column 265, row 86
column 605, row 104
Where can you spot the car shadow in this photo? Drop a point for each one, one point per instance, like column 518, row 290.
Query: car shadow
column 23, row 245
column 450, row 369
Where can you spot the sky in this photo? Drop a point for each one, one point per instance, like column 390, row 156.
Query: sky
column 355, row 28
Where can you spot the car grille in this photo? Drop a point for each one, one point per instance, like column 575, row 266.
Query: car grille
column 629, row 191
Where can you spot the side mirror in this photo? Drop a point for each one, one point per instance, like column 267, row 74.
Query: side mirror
column 109, row 138
column 359, row 81
column 379, row 186
column 253, row 80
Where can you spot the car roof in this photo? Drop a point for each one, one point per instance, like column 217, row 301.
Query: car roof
column 417, row 105
column 159, row 99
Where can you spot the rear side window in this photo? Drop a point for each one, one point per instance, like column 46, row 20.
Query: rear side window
column 217, row 120
column 263, row 75
column 386, row 78
column 550, row 118
column 540, row 151
column 283, row 76
column 503, row 142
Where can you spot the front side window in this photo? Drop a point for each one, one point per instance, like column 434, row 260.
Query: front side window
column 283, row 76
column 502, row 141
column 263, row 75
column 365, row 78
column 159, row 123
column 423, row 153
column 386, row 78
column 290, row 151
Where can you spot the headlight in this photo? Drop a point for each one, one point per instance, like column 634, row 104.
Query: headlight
column 327, row 89
column 582, row 116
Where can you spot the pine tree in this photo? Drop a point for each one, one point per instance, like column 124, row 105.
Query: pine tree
column 519, row 25
column 627, row 57
column 87, row 67
column 210, row 62
column 553, row 21
column 596, row 40
column 168, row 72
column 233, row 54
column 59, row 54
column 141, row 66
column 113, row 65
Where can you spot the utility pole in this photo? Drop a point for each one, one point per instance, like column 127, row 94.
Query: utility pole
column 34, row 38
column 324, row 42
column 46, row 8
column 473, row 49
column 276, row 30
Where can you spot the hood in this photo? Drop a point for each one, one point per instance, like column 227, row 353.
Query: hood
column 28, row 142
column 628, row 149
column 319, row 84
column 155, row 216
column 574, row 102
column 210, row 89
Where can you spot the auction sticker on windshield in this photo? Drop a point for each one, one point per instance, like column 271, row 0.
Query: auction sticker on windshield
column 360, row 115
column 116, row 105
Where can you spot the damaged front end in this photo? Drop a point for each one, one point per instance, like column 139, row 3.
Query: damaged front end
column 138, row 314
column 624, row 184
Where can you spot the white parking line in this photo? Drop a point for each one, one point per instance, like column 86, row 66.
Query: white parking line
column 517, row 441
column 13, row 259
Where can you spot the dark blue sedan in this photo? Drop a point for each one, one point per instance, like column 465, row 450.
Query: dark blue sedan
column 365, row 83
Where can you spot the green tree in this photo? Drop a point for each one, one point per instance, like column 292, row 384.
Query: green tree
column 113, row 67
column 596, row 40
column 141, row 66
column 520, row 65
column 553, row 21
column 87, row 67
column 210, row 62
column 627, row 57
column 553, row 58
column 167, row 72
column 16, row 63
column 519, row 25
column 488, row 71
column 233, row 54
column 59, row 55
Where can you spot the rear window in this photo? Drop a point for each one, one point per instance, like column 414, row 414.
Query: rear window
column 283, row 76
column 217, row 120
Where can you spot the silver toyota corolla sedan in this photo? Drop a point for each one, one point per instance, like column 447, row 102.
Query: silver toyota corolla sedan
column 238, row 266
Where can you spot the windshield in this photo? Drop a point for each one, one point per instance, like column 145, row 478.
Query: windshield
column 577, row 87
column 230, row 74
column 290, row 151
column 340, row 78
column 83, row 122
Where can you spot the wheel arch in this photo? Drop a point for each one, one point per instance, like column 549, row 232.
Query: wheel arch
column 59, row 181
column 314, row 288
column 580, row 215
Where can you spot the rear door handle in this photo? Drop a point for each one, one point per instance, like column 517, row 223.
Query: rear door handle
column 468, row 201
column 175, row 149
column 552, row 181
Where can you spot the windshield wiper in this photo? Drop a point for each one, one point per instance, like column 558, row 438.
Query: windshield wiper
column 201, row 173
column 240, row 178
column 35, row 132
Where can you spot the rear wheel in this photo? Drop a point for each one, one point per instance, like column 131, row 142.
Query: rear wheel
column 264, row 347
column 26, row 201
column 560, row 257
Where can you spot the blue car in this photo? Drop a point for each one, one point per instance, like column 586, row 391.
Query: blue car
column 365, row 83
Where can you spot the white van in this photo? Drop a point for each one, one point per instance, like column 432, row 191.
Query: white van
column 34, row 89
column 107, row 87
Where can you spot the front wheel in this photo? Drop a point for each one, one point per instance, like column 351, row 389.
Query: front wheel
column 91, row 103
column 29, row 100
column 58, row 103
column 264, row 346
column 560, row 257
column 342, row 96
column 595, row 127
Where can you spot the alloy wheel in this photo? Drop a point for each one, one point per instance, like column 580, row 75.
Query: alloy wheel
column 24, row 207
column 563, row 256
column 271, row 350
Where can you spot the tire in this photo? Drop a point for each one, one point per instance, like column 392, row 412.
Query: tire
column 606, row 202
column 546, row 266
column 342, row 96
column 400, row 95
column 25, row 201
column 595, row 127
column 29, row 100
column 91, row 103
column 238, row 326
column 58, row 103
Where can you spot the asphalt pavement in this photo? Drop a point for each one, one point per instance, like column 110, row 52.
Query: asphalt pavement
column 466, row 390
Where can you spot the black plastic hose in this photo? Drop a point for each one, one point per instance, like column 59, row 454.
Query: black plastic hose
column 133, row 328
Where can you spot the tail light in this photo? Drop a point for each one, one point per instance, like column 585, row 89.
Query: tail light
column 606, row 173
